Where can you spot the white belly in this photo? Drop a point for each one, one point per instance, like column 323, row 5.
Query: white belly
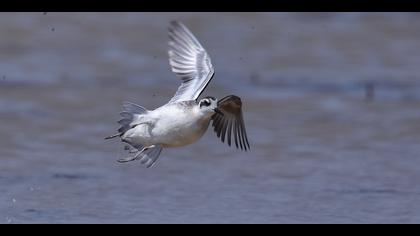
column 171, row 127
column 181, row 131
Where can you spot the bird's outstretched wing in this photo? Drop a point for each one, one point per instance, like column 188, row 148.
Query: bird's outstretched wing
column 189, row 61
column 231, row 122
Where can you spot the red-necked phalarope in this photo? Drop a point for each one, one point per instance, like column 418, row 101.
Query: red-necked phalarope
column 182, row 120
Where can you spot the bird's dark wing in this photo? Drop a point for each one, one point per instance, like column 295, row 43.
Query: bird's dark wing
column 231, row 123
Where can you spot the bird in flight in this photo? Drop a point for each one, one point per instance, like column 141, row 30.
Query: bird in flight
column 184, row 119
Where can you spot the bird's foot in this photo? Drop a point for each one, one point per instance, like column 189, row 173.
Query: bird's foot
column 127, row 159
column 132, row 158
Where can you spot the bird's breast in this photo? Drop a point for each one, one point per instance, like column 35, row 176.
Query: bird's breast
column 180, row 129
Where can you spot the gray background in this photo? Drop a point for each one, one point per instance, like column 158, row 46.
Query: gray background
column 324, row 148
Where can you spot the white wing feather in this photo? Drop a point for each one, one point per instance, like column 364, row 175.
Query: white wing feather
column 189, row 61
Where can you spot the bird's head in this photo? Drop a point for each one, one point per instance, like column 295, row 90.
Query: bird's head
column 208, row 105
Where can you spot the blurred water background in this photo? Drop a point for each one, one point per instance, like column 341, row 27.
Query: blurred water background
column 331, row 105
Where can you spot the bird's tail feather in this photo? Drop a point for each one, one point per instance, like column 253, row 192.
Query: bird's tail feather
column 129, row 113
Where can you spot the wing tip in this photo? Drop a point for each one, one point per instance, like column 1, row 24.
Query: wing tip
column 175, row 24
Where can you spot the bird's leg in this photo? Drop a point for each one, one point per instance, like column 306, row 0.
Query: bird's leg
column 144, row 153
column 145, row 157
column 130, row 149
column 137, row 156
column 133, row 150
column 132, row 158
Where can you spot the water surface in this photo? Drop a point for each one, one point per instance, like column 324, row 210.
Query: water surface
column 331, row 104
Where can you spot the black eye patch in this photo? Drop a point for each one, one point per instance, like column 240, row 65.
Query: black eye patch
column 205, row 103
